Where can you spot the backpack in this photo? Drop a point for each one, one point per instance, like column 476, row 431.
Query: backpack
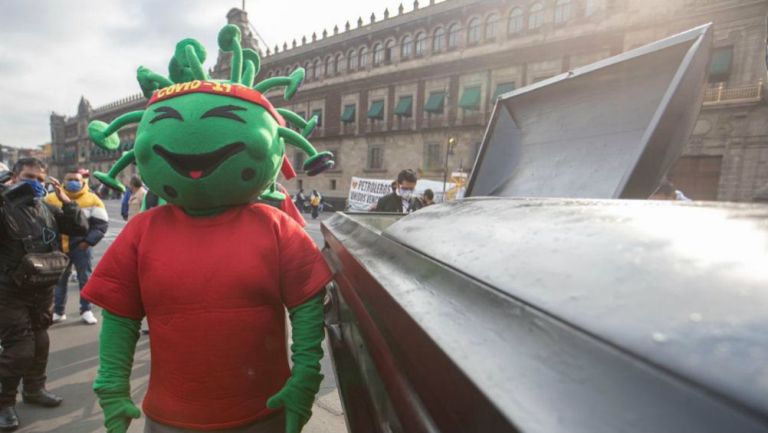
column 315, row 201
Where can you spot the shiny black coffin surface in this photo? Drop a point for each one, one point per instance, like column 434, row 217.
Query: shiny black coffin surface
column 611, row 129
column 543, row 315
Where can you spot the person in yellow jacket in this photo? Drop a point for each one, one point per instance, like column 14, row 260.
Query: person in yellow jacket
column 79, row 249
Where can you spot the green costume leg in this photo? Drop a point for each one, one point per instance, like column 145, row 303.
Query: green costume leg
column 299, row 392
column 117, row 344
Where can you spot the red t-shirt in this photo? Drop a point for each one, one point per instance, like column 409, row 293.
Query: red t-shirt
column 213, row 290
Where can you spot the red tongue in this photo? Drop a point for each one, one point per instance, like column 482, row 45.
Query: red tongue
column 195, row 174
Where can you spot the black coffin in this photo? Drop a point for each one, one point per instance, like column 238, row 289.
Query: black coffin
column 547, row 315
column 611, row 129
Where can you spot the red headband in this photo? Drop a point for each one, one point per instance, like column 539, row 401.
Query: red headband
column 225, row 89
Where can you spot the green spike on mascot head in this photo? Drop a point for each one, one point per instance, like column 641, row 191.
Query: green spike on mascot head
column 212, row 273
column 205, row 144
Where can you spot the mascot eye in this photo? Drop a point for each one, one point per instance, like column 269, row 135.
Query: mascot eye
column 166, row 113
column 225, row 111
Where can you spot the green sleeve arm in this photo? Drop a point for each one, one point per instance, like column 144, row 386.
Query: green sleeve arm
column 299, row 392
column 117, row 345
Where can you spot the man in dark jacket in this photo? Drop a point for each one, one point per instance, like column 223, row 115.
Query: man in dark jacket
column 28, row 225
column 402, row 199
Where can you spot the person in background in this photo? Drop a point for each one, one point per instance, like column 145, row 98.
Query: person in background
column 138, row 192
column 300, row 200
column 401, row 200
column 315, row 201
column 428, row 198
column 667, row 191
column 80, row 248
column 124, row 204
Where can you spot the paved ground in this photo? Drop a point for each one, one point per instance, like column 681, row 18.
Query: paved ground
column 74, row 360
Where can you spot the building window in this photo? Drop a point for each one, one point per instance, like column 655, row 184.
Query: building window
column 310, row 71
column 453, row 36
column 300, row 184
column 376, row 112
column 329, row 66
column 363, row 60
column 473, row 31
column 562, row 11
column 491, row 27
column 503, row 88
column 720, row 64
column 407, row 47
column 378, row 54
column 421, row 43
column 515, row 22
column 375, row 157
column 438, row 40
column 388, row 48
column 298, row 160
column 348, row 115
column 333, row 184
column 352, row 60
column 339, row 64
column 470, row 98
column 404, row 106
column 536, row 16
column 316, row 67
column 433, row 156
column 435, row 103
column 592, row 7
column 319, row 113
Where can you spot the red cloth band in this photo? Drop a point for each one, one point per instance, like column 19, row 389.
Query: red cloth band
column 225, row 89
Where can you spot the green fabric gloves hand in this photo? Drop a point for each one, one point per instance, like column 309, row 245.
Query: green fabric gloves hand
column 116, row 349
column 299, row 392
column 119, row 410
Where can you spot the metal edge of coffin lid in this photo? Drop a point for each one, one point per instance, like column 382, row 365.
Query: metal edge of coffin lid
column 611, row 129
column 582, row 316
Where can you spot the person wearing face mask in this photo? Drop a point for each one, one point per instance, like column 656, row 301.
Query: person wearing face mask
column 32, row 263
column 79, row 248
column 402, row 200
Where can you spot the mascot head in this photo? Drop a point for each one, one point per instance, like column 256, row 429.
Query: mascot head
column 206, row 144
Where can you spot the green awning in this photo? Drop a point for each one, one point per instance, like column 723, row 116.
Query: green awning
column 377, row 110
column 404, row 106
column 348, row 116
column 319, row 114
column 503, row 88
column 435, row 103
column 720, row 65
column 470, row 99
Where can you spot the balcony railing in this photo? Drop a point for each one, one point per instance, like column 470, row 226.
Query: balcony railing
column 721, row 94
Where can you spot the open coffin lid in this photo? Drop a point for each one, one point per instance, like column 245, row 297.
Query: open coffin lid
column 611, row 129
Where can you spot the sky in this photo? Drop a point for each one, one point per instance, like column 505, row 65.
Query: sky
column 52, row 52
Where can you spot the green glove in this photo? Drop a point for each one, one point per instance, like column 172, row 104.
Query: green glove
column 118, row 412
column 299, row 392
column 117, row 344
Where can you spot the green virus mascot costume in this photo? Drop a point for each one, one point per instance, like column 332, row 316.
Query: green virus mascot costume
column 212, row 273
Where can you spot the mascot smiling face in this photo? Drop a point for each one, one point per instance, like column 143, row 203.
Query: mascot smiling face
column 204, row 144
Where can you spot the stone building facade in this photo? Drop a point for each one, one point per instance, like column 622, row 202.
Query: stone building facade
column 391, row 91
